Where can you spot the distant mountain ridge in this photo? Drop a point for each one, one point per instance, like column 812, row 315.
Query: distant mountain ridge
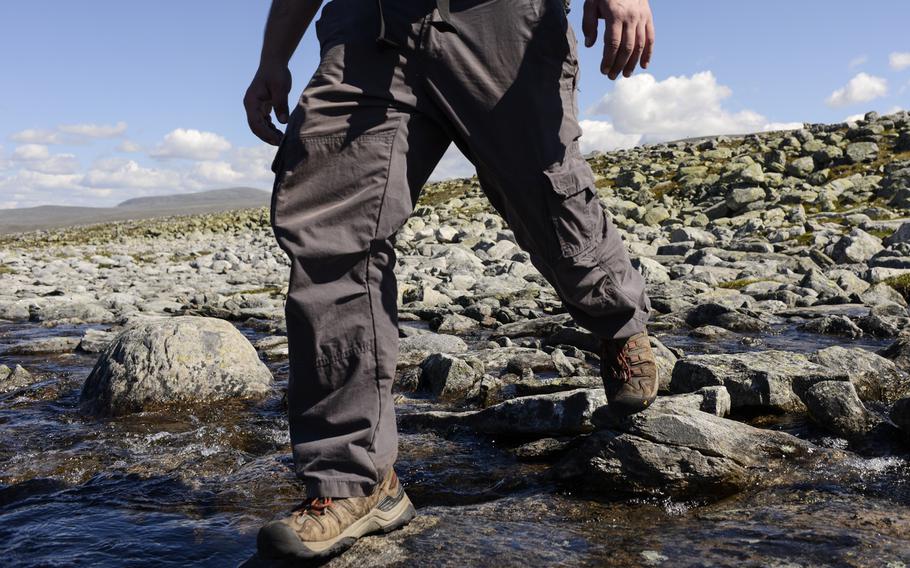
column 53, row 216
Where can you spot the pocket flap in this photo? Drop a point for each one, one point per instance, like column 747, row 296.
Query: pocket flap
column 571, row 177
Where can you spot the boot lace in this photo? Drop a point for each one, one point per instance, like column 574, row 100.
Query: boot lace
column 624, row 368
column 315, row 507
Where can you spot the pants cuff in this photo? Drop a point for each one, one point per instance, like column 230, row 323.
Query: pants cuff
column 337, row 489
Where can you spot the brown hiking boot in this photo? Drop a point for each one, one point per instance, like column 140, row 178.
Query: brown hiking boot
column 629, row 373
column 321, row 527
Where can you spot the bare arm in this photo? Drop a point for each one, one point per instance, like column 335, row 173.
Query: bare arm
column 287, row 21
column 628, row 33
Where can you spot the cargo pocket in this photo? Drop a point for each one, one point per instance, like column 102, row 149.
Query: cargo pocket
column 574, row 209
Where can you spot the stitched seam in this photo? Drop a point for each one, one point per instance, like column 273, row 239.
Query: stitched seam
column 385, row 189
column 338, row 355
column 333, row 137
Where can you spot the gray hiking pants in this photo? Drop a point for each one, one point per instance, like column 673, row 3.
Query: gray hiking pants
column 368, row 130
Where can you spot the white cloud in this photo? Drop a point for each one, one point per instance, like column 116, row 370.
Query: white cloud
column 191, row 144
column 94, row 130
column 33, row 175
column 602, row 135
column 899, row 60
column 36, row 136
column 27, row 152
column 857, row 61
column 37, row 158
column 69, row 133
column 116, row 173
column 215, row 172
column 128, row 146
column 677, row 107
column 861, row 88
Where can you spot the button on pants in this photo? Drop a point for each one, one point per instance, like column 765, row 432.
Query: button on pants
column 368, row 130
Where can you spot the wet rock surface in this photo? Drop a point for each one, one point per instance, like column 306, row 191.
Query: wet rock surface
column 777, row 265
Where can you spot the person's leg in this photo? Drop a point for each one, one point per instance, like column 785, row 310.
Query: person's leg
column 509, row 90
column 356, row 152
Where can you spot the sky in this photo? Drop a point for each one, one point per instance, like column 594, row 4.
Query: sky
column 106, row 100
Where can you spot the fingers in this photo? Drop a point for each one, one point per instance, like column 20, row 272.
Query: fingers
column 636, row 51
column 258, row 117
column 649, row 43
column 613, row 42
column 626, row 48
column 589, row 22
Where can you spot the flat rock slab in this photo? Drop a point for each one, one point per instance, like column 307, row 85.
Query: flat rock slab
column 44, row 345
column 566, row 412
column 763, row 379
column 184, row 359
column 679, row 452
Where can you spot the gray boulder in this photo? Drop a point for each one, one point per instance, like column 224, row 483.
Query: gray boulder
column 861, row 152
column 857, row 246
column 874, row 376
column 835, row 406
column 725, row 317
column 184, row 359
column 681, row 453
column 448, row 377
column 762, row 379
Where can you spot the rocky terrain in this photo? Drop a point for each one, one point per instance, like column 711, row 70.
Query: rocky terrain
column 778, row 265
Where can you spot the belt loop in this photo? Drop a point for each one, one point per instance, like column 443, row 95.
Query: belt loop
column 383, row 41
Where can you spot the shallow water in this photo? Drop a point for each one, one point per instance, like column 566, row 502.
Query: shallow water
column 192, row 488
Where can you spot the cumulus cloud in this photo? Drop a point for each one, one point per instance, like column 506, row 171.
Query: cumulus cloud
column 899, row 60
column 677, row 107
column 861, row 88
column 602, row 135
column 116, row 173
column 191, row 144
column 69, row 133
column 37, row 158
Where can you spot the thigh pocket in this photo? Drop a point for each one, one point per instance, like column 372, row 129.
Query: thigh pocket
column 574, row 209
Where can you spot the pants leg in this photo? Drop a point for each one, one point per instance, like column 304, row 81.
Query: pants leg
column 509, row 92
column 356, row 152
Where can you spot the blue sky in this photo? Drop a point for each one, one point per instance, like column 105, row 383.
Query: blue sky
column 103, row 100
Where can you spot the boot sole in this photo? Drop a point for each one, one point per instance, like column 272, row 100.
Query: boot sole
column 278, row 539
column 628, row 407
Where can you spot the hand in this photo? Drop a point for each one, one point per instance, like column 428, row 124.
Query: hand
column 628, row 34
column 269, row 89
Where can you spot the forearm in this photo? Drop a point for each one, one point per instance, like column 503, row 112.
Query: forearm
column 288, row 20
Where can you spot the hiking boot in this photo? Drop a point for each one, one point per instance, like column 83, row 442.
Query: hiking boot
column 629, row 373
column 321, row 527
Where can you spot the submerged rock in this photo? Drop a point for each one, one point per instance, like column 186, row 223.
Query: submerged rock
column 184, row 359
column 15, row 378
